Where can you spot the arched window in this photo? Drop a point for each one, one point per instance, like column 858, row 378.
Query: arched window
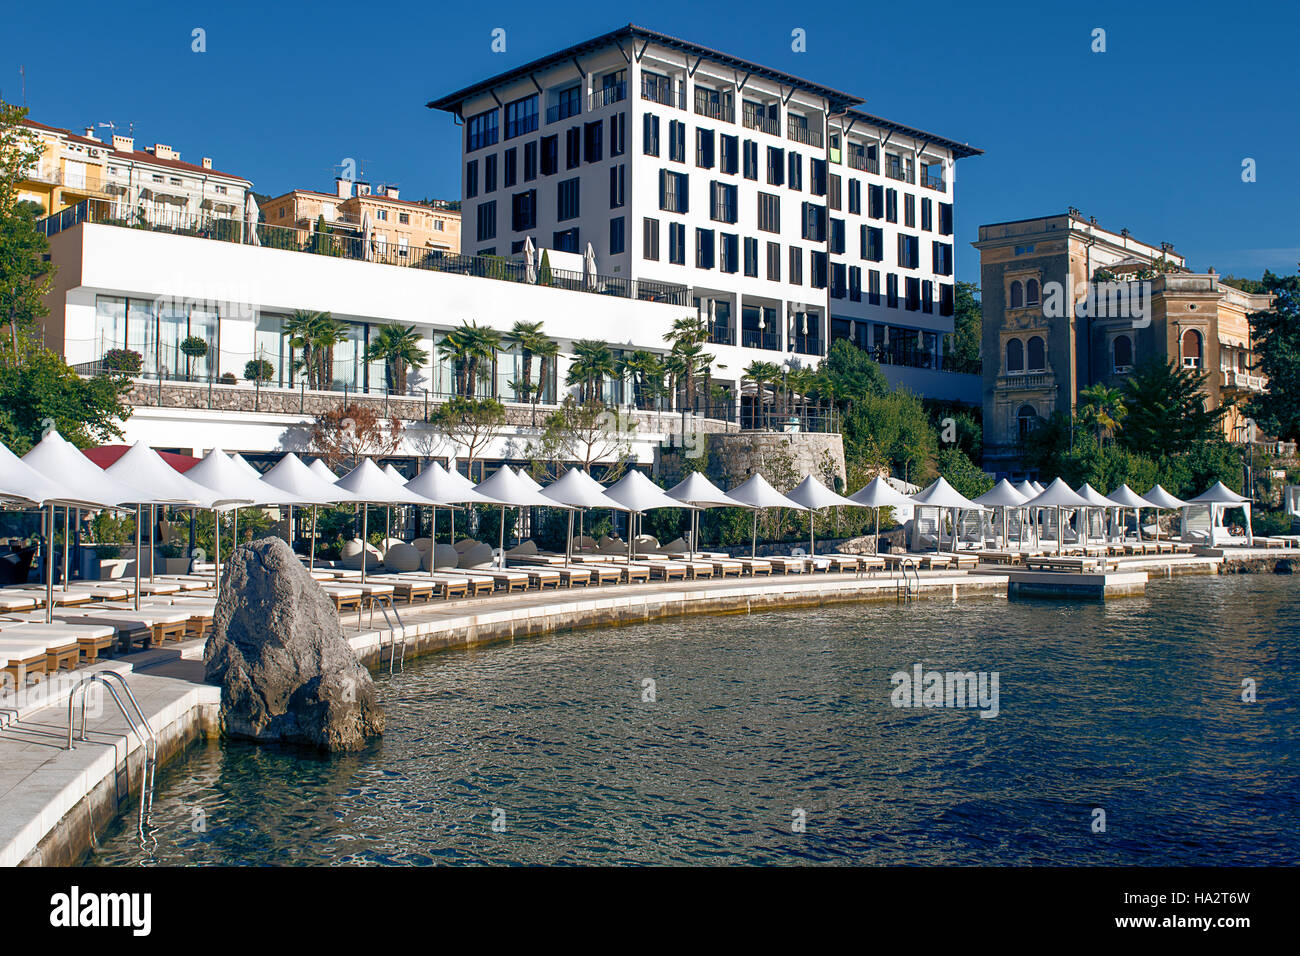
column 1037, row 355
column 1025, row 419
column 1015, row 356
column 1017, row 295
column 1192, row 345
column 1123, row 353
column 1031, row 292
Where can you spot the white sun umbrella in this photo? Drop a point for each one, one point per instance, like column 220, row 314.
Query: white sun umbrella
column 576, row 489
column 505, row 487
column 79, row 480
column 445, row 490
column 1162, row 500
column 1004, row 496
column 879, row 493
column 530, row 261
column 366, row 232
column 322, row 470
column 251, row 215
column 306, row 487
column 1218, row 497
column 530, row 481
column 1126, row 497
column 242, row 462
column 1060, row 496
column 815, row 496
column 638, row 494
column 756, row 493
column 1030, row 490
column 1095, row 499
column 401, row 479
column 589, row 267
column 940, row 494
column 699, row 492
column 370, row 486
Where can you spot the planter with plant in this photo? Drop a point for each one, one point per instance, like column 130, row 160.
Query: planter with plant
column 194, row 347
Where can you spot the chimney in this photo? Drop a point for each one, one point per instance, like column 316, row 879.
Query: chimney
column 363, row 189
column 124, row 144
column 343, row 187
column 90, row 134
column 163, row 152
column 389, row 191
column 207, row 162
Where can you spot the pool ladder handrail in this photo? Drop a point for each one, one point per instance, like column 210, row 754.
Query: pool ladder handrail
column 149, row 739
column 905, row 591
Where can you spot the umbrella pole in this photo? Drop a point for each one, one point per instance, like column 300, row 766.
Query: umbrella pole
column 234, row 533
column 290, row 529
column 67, row 522
column 153, row 542
column 753, row 545
column 216, row 566
column 875, row 542
column 365, row 534
column 812, row 540
column 49, row 565
column 568, row 544
column 311, row 545
column 139, row 517
column 501, row 559
column 433, row 534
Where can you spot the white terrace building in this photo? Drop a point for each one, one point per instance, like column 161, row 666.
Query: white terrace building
column 790, row 216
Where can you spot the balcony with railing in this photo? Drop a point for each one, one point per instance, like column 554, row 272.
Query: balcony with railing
column 353, row 246
column 799, row 129
column 862, row 162
column 614, row 93
column 769, row 339
column 563, row 110
column 721, row 333
column 1243, row 381
column 659, row 89
column 894, row 169
column 933, row 181
column 753, row 117
column 714, row 105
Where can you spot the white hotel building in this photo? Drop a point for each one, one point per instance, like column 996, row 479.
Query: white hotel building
column 792, row 217
column 706, row 185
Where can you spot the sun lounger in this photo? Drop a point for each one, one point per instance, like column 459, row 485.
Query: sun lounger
column 14, row 600
column 201, row 613
column 62, row 652
column 783, row 564
column 508, row 581
column 541, row 578
column 71, row 597
column 345, row 597
column 662, row 570
column 19, row 659
column 147, row 626
column 90, row 638
column 755, row 566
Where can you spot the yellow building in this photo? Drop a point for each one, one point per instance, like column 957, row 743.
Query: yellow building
column 398, row 226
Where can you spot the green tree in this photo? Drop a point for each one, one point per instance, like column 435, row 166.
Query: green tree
column 398, row 347
column 1102, row 409
column 531, row 341
column 472, row 351
column 849, row 373
column 593, row 362
column 1167, row 411
column 968, row 330
column 470, row 423
column 645, row 370
column 962, row 473
column 1276, row 334
column 41, row 390
column 761, row 375
column 25, row 275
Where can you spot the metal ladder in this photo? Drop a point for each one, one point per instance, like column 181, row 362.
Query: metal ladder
column 386, row 604
column 904, row 588
column 150, row 740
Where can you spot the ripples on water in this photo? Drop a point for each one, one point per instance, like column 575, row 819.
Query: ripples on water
column 1132, row 706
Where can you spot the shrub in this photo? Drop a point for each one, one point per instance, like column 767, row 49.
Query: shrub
column 228, row 378
column 259, row 370
column 127, row 361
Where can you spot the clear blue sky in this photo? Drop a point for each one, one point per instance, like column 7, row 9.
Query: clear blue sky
column 1149, row 135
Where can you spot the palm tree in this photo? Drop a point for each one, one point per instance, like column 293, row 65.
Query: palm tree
column 801, row 382
column 762, row 374
column 1102, row 408
column 399, row 349
column 297, row 329
column 468, row 348
column 527, row 336
column 326, row 333
column 547, row 351
column 592, row 363
column 691, row 330
column 646, row 370
column 695, row 366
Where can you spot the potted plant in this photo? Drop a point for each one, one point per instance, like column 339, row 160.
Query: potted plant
column 228, row 378
column 126, row 361
column 259, row 371
column 194, row 347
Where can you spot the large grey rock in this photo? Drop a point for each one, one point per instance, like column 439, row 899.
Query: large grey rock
column 277, row 650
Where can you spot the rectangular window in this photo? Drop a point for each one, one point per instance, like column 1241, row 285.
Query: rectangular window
column 565, row 103
column 471, row 179
column 875, row 201
column 487, row 221
column 839, row 284
column 817, row 172
column 673, row 191
column 909, row 211
column 677, row 243
column 814, row 222
column 618, row 134
column 927, row 215
column 817, row 269
column 769, row 212
column 909, row 252
column 873, row 287
column 945, row 219
column 891, row 205
column 751, row 159
column 946, row 298
column 855, row 283
column 704, row 251
column 567, row 204
column 837, row 237
column 833, row 192
column 650, row 239
column 774, row 261
column 617, row 195
column 650, row 134
column 912, row 302
column 511, row 173
column 677, row 141
column 490, row 174
column 481, row 130
column 751, row 257
column 855, row 197
column 550, row 155
column 722, row 205
column 573, row 147
column 796, row 265
column 927, row 295
column 942, row 253
column 796, row 171
column 729, row 154
column 566, row 241
column 523, row 210
column 616, row 238
column 891, row 291
column 729, row 250
column 521, row 116
column 593, row 141
column 704, row 148
column 775, row 166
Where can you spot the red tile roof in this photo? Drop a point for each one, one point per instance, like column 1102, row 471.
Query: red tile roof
column 139, row 155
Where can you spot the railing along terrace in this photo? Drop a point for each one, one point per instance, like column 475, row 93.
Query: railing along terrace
column 933, row 182
column 760, row 339
column 772, row 417
column 752, row 119
column 352, row 245
column 721, row 333
column 864, row 163
column 660, row 91
column 608, row 95
column 713, row 109
column 896, row 171
column 804, row 134
column 562, row 111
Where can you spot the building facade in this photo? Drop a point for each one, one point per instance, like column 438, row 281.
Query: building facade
column 792, row 217
column 1068, row 304
column 407, row 226
column 151, row 183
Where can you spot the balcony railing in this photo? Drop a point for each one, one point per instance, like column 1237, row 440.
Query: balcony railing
column 863, row 162
column 608, row 95
column 804, row 134
column 1243, row 381
column 933, row 182
column 896, row 171
column 660, row 91
column 760, row 339
column 562, row 111
column 712, row 108
column 722, row 333
column 806, row 345
column 753, row 119
column 352, row 246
